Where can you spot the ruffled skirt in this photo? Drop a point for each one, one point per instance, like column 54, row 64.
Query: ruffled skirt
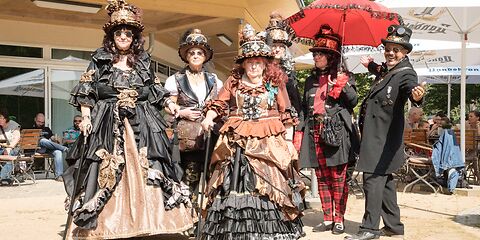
column 131, row 190
column 261, row 207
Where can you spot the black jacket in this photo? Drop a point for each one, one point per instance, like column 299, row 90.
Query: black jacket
column 293, row 94
column 343, row 106
column 382, row 119
column 46, row 131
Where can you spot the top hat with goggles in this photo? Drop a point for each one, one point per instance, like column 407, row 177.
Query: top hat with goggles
column 399, row 35
column 194, row 38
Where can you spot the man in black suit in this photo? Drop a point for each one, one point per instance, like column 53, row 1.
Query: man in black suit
column 382, row 122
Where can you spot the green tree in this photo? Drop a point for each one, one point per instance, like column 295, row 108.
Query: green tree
column 306, row 2
column 437, row 98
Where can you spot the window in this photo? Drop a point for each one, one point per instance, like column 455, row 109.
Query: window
column 163, row 69
column 21, row 51
column 62, row 112
column 22, row 93
column 71, row 55
column 172, row 71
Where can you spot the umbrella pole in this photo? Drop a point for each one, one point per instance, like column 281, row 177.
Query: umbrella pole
column 343, row 36
column 75, row 187
column 176, row 158
column 203, row 182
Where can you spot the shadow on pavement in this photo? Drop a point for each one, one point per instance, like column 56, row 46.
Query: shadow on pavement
column 469, row 218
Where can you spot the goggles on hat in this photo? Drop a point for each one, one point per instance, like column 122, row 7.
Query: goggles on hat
column 400, row 31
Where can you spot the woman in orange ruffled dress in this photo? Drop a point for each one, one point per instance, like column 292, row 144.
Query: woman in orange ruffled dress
column 248, row 191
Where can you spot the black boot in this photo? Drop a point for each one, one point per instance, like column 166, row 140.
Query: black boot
column 322, row 227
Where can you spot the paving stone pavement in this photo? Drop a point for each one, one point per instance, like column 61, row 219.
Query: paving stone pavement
column 35, row 211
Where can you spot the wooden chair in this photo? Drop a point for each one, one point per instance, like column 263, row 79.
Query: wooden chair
column 402, row 173
column 418, row 165
column 23, row 162
column 471, row 155
column 419, row 136
column 48, row 165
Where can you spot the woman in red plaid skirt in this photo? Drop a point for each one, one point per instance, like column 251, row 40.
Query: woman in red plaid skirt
column 328, row 93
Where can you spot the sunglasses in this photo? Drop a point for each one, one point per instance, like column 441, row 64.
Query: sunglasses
column 127, row 33
column 395, row 49
column 198, row 52
column 77, row 121
column 314, row 54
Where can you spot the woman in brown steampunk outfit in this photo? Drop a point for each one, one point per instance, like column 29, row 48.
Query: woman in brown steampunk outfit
column 254, row 143
column 190, row 88
column 128, row 185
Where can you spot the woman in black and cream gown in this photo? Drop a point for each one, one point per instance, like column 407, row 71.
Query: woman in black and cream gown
column 128, row 185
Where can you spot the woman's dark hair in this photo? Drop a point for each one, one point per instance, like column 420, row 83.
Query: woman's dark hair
column 333, row 64
column 477, row 113
column 446, row 124
column 136, row 48
column 272, row 73
column 4, row 113
column 441, row 114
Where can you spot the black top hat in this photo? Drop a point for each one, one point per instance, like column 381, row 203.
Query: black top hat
column 400, row 35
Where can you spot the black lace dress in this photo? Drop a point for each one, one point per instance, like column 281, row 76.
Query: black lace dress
column 128, row 184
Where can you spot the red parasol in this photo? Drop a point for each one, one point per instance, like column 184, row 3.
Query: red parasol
column 359, row 22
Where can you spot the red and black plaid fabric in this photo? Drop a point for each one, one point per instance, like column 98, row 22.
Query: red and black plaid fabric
column 332, row 184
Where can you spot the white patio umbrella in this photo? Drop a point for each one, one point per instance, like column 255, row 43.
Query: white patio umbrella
column 449, row 76
column 26, row 84
column 32, row 83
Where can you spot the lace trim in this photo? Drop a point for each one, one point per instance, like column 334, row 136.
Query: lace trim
column 90, row 206
column 143, row 161
column 108, row 168
column 127, row 98
column 87, row 76
column 179, row 193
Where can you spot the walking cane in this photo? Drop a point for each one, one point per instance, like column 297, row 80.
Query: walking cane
column 176, row 158
column 75, row 186
column 203, row 181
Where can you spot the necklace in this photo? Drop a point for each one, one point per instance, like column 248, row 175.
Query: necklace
column 195, row 78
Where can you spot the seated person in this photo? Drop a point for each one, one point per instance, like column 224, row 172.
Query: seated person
column 71, row 134
column 414, row 116
column 49, row 146
column 10, row 136
column 437, row 124
column 473, row 121
column 445, row 123
column 423, row 124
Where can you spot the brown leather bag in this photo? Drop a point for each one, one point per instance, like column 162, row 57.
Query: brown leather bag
column 190, row 135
